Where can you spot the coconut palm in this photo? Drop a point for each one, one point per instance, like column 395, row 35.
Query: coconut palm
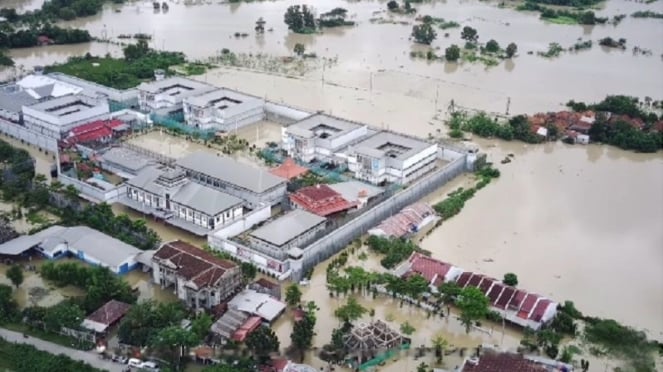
column 440, row 345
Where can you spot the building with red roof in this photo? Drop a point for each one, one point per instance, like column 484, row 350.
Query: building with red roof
column 289, row 170
column 247, row 328
column 492, row 360
column 409, row 220
column 434, row 271
column 320, row 199
column 200, row 279
column 106, row 316
column 96, row 131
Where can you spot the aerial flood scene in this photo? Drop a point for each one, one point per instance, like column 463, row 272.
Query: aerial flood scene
column 331, row 185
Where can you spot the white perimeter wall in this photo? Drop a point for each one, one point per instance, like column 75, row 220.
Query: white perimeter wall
column 247, row 221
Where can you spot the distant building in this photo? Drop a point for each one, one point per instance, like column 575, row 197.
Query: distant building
column 390, row 157
column 253, row 185
column 168, row 193
column 169, row 93
column 56, row 117
column 514, row 305
column 321, row 137
column 320, row 199
column 492, row 360
column 293, row 230
column 200, row 279
column 82, row 242
column 409, row 220
column 222, row 110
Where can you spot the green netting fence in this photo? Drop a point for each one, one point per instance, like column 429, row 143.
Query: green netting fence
column 382, row 358
column 175, row 122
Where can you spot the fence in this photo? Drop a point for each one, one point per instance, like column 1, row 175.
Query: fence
column 148, row 153
column 341, row 237
column 175, row 122
column 92, row 193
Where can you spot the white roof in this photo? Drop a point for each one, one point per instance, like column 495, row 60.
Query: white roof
column 95, row 326
column 60, row 88
column 542, row 131
column 260, row 304
column 288, row 227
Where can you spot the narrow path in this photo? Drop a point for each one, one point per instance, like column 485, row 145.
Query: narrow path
column 85, row 356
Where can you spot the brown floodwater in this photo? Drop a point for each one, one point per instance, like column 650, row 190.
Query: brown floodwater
column 371, row 47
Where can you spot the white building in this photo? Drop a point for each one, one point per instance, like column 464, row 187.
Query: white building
column 391, row 157
column 56, row 117
column 168, row 193
column 222, row 110
column 253, row 185
column 320, row 137
column 295, row 229
column 82, row 242
column 169, row 93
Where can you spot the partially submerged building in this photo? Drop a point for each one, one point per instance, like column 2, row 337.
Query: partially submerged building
column 391, row 157
column 222, row 110
column 321, row 137
column 294, row 229
column 253, row 185
column 409, row 220
column 169, row 194
column 436, row 272
column 514, row 305
column 492, row 360
column 200, row 279
column 168, row 94
column 82, row 242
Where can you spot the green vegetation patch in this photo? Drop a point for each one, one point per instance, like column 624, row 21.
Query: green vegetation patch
column 394, row 250
column 26, row 358
column 647, row 14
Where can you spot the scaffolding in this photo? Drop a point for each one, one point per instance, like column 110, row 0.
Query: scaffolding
column 375, row 340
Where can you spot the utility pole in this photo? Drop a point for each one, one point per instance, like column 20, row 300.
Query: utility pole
column 508, row 105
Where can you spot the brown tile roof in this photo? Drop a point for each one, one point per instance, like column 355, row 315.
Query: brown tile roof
column 321, row 200
column 503, row 362
column 288, row 170
column 194, row 263
column 428, row 267
column 110, row 313
column 318, row 192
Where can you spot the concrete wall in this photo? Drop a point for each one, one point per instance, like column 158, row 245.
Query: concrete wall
column 283, row 114
column 279, row 268
column 92, row 193
column 22, row 133
column 341, row 237
column 244, row 223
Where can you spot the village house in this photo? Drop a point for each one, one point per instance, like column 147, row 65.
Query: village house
column 391, row 157
column 222, row 110
column 106, row 316
column 56, row 117
column 253, row 185
column 434, row 271
column 409, row 220
column 321, row 137
column 169, row 194
column 200, row 279
column 319, row 199
column 167, row 95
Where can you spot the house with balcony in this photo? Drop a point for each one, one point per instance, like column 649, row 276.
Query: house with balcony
column 222, row 110
column 387, row 157
column 167, row 95
column 200, row 280
column 321, row 137
column 168, row 193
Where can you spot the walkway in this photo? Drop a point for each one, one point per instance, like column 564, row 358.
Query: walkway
column 85, row 356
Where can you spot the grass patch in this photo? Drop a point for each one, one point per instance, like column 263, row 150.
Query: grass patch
column 562, row 20
column 34, row 218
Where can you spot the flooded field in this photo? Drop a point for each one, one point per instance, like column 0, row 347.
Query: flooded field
column 261, row 133
column 568, row 220
column 43, row 160
column 385, row 48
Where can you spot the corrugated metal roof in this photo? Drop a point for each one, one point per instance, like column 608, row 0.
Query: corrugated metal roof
column 288, row 227
column 205, row 199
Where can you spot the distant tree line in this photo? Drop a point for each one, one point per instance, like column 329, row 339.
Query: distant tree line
column 25, row 38
column 569, row 3
column 57, row 10
column 301, row 19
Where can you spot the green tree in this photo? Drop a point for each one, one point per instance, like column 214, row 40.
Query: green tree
column 407, row 329
column 136, row 51
column 249, row 271
column 469, row 34
column 440, row 345
column 424, row 33
column 176, row 340
column 15, row 275
column 492, row 46
column 300, row 19
column 449, row 292
column 510, row 279
column 303, row 332
column 200, row 326
column 64, row 314
column 473, row 306
column 8, row 306
column 511, row 50
column 452, row 53
column 422, row 367
column 392, row 5
column 146, row 319
column 262, row 342
column 351, row 311
column 260, row 26
column 587, row 18
column 415, row 286
column 293, row 295
column 299, row 49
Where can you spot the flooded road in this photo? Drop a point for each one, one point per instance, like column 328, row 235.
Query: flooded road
column 569, row 220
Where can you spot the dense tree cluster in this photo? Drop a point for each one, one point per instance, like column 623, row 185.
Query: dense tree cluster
column 480, row 124
column 424, row 33
column 395, row 250
column 8, row 306
column 455, row 201
column 304, row 330
column 99, row 283
column 122, row 73
column 300, row 19
column 570, row 3
column 20, row 357
column 145, row 320
column 17, row 174
column 452, row 53
column 335, row 18
column 29, row 37
column 263, row 342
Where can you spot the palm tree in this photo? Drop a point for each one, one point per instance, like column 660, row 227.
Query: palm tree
column 440, row 345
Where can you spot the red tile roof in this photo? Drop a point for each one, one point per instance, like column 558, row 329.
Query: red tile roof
column 486, row 284
column 503, row 300
column 503, row 362
column 464, row 278
column 540, row 309
column 321, row 200
column 193, row 263
column 247, row 328
column 495, row 292
column 528, row 305
column 428, row 267
column 110, row 313
column 403, row 222
column 517, row 299
column 475, row 280
column 93, row 131
column 288, row 170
